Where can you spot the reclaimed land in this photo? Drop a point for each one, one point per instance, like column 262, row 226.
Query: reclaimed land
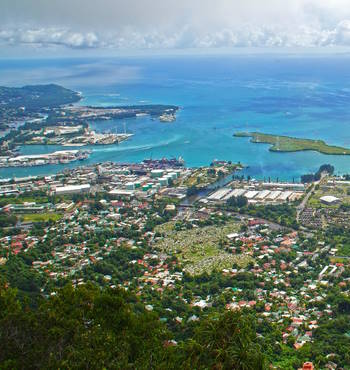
column 292, row 144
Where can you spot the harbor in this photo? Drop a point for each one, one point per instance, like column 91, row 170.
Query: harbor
column 57, row 157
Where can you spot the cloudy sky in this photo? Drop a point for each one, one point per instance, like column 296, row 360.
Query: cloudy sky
column 60, row 27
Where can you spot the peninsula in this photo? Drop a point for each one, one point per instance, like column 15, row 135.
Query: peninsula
column 22, row 104
column 46, row 115
column 291, row 144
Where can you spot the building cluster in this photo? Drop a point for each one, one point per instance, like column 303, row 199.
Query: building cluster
column 93, row 113
column 150, row 177
column 71, row 135
column 259, row 192
column 75, row 240
column 14, row 244
column 126, row 182
column 58, row 157
column 328, row 205
column 292, row 281
column 134, row 210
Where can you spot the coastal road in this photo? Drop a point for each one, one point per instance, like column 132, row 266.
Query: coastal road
column 300, row 208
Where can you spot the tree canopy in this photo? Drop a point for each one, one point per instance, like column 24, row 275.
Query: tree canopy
column 89, row 327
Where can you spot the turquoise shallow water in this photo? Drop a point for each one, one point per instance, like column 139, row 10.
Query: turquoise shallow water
column 297, row 96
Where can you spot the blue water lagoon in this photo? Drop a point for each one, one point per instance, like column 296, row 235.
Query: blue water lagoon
column 305, row 97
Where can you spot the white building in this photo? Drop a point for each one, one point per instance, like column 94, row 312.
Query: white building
column 73, row 189
column 329, row 200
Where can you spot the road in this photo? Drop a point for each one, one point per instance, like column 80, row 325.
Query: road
column 300, row 208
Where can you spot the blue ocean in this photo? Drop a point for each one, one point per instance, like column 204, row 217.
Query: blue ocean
column 294, row 95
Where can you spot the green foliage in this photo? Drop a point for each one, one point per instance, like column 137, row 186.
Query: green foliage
column 332, row 337
column 41, row 217
column 284, row 214
column 344, row 305
column 238, row 202
column 291, row 144
column 224, row 342
column 34, row 98
column 315, row 177
column 7, row 220
column 86, row 327
column 78, row 328
column 18, row 272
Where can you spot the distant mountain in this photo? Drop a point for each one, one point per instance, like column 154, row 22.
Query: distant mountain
column 36, row 97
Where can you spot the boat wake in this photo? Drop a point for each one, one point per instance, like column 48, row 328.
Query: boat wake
column 134, row 148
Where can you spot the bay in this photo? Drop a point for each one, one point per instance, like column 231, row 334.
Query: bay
column 294, row 95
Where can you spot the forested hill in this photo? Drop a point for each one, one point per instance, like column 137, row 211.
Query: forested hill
column 96, row 329
column 36, row 97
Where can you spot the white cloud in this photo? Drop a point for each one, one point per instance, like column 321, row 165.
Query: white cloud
column 44, row 37
column 245, row 36
column 342, row 33
column 166, row 24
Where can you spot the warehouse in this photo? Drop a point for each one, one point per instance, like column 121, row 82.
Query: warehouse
column 251, row 194
column 219, row 194
column 262, row 194
column 273, row 195
column 329, row 200
column 73, row 189
column 229, row 195
column 285, row 195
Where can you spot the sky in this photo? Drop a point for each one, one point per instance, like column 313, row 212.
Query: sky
column 33, row 27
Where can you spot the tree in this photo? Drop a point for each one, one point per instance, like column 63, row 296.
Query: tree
column 325, row 168
column 90, row 327
column 344, row 305
column 239, row 202
column 224, row 342
column 78, row 328
column 307, row 178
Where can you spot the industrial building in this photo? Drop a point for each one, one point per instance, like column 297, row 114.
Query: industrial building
column 329, row 200
column 73, row 189
column 257, row 193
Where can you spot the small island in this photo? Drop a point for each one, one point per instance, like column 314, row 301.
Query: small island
column 291, row 144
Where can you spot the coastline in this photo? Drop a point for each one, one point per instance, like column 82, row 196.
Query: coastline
column 288, row 144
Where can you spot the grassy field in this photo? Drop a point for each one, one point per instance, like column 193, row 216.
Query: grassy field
column 341, row 191
column 199, row 249
column 23, row 199
column 41, row 217
column 291, row 144
column 344, row 250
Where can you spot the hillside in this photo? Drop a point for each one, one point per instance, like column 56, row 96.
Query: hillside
column 36, row 97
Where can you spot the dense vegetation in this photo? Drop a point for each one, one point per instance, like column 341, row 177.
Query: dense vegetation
column 291, row 144
column 43, row 325
column 36, row 97
column 7, row 220
column 325, row 168
column 238, row 202
column 91, row 328
column 283, row 214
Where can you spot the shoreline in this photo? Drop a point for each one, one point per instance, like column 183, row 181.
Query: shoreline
column 288, row 144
